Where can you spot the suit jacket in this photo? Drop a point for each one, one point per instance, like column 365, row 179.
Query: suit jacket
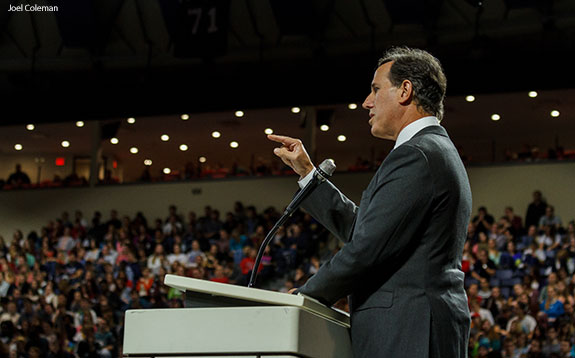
column 401, row 262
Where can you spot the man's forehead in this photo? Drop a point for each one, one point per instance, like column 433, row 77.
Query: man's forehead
column 381, row 73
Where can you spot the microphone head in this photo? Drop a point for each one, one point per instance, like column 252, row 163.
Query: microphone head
column 326, row 168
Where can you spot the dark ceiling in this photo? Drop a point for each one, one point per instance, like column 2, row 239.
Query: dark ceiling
column 118, row 58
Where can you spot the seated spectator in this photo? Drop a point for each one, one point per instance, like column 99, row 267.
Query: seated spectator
column 483, row 220
column 178, row 256
column 493, row 253
column 521, row 322
column 66, row 242
column 19, row 178
column 194, row 254
column 157, row 260
column 552, row 305
column 550, row 219
column 526, row 240
column 552, row 345
column 516, row 224
column 510, row 259
column 484, row 289
column 11, row 314
column 483, row 267
column 549, row 238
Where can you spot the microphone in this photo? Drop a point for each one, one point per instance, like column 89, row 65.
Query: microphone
column 322, row 173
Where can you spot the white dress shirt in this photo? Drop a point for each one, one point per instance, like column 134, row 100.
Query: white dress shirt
column 406, row 134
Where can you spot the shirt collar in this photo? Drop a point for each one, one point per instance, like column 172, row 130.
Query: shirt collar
column 412, row 128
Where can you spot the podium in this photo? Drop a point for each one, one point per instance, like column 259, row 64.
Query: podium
column 222, row 320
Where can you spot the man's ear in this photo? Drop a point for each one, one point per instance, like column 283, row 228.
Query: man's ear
column 405, row 92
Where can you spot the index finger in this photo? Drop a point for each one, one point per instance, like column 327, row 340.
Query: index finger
column 287, row 141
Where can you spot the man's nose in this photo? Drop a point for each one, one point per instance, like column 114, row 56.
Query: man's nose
column 368, row 103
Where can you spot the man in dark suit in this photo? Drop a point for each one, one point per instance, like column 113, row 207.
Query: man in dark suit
column 401, row 262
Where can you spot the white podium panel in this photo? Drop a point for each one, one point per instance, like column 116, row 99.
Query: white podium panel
column 229, row 332
column 232, row 321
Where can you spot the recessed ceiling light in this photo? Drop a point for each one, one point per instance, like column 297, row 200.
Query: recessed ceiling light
column 165, row 137
column 65, row 144
column 532, row 94
column 239, row 114
column 495, row 117
column 470, row 98
column 324, row 128
column 295, row 110
column 183, row 147
column 134, row 150
column 18, row 146
column 148, row 162
column 555, row 113
column 352, row 106
column 216, row 134
column 167, row 170
column 234, row 144
column 185, row 117
column 341, row 138
column 268, row 131
column 79, row 124
column 202, row 159
column 131, row 120
column 114, row 140
column 30, row 127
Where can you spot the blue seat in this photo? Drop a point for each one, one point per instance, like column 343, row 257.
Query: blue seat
column 493, row 282
column 504, row 274
column 505, row 292
column 510, row 282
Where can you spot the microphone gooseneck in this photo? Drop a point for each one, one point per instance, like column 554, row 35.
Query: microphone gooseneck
column 321, row 174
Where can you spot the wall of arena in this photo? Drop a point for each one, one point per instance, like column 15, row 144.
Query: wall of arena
column 493, row 186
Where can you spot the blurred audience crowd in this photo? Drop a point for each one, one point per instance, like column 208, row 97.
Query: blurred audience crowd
column 64, row 288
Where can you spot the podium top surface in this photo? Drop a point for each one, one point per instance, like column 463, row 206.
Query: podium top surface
column 256, row 296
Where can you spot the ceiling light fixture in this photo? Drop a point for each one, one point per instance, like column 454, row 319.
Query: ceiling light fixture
column 167, row 170
column 79, row 124
column 532, row 94
column 131, row 120
column 147, row 162
column 65, row 143
column 183, row 147
column 324, row 128
column 269, row 131
column 114, row 140
column 165, row 137
column 341, row 138
column 216, row 134
column 295, row 110
column 352, row 106
column 555, row 113
column 202, row 159
column 234, row 144
column 495, row 117
column 185, row 117
column 134, row 150
column 239, row 114
column 18, row 146
column 30, row 127
column 470, row 98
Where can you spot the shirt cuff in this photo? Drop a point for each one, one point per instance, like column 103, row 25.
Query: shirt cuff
column 305, row 180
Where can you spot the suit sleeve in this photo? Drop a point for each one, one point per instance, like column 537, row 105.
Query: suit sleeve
column 332, row 209
column 387, row 223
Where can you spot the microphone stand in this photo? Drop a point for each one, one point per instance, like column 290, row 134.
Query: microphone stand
column 324, row 171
